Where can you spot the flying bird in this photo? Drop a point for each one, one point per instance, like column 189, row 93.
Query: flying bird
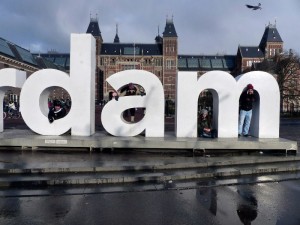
column 254, row 7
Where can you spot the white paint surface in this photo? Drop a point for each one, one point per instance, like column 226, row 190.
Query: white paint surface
column 153, row 101
column 9, row 77
column 80, row 85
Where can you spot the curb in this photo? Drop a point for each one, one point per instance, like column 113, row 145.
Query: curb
column 146, row 179
column 98, row 179
column 210, row 163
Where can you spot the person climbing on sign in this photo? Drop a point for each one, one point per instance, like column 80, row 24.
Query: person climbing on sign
column 56, row 112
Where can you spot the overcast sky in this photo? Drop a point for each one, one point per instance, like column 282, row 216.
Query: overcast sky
column 202, row 26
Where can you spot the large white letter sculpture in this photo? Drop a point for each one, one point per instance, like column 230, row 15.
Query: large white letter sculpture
column 80, row 85
column 9, row 78
column 266, row 113
column 225, row 102
column 226, row 92
column 153, row 101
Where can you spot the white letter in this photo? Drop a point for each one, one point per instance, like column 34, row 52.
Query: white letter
column 80, row 85
column 225, row 102
column 266, row 112
column 153, row 101
column 9, row 77
column 226, row 93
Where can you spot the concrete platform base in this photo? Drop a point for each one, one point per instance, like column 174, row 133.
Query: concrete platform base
column 102, row 140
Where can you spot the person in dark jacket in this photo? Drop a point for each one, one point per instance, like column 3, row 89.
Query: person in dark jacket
column 248, row 97
column 56, row 112
column 204, row 125
column 129, row 90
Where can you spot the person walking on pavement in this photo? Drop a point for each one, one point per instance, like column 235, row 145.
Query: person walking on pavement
column 248, row 97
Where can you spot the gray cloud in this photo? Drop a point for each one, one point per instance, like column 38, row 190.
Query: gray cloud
column 203, row 27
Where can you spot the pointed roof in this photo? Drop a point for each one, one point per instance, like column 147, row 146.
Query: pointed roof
column 271, row 34
column 158, row 38
column 93, row 28
column 170, row 29
column 250, row 52
column 117, row 39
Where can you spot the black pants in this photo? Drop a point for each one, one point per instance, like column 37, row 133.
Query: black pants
column 212, row 134
column 132, row 111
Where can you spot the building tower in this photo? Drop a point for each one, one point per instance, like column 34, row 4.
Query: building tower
column 116, row 39
column 270, row 45
column 271, row 42
column 170, row 58
column 94, row 29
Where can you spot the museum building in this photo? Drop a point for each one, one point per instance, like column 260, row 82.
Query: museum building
column 160, row 58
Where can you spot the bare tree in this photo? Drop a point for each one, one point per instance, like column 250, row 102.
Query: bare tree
column 286, row 69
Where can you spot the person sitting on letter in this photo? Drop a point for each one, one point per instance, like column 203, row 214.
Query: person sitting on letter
column 57, row 112
column 204, row 126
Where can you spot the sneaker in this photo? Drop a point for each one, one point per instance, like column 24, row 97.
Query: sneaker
column 245, row 135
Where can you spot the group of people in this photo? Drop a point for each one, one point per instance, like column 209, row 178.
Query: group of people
column 13, row 107
column 247, row 98
column 10, row 107
column 205, row 129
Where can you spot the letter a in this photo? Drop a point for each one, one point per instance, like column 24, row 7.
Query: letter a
column 153, row 101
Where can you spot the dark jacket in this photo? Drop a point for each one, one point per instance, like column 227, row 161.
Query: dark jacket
column 204, row 123
column 129, row 90
column 246, row 100
column 55, row 115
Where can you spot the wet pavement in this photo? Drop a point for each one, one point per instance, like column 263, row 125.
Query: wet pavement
column 58, row 167
column 268, row 197
column 262, row 203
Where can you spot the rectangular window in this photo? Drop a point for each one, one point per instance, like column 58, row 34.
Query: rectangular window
column 170, row 63
column 128, row 67
column 158, row 62
column 192, row 63
column 131, row 50
column 205, row 63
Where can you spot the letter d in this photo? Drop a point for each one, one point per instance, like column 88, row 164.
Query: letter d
column 80, row 85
